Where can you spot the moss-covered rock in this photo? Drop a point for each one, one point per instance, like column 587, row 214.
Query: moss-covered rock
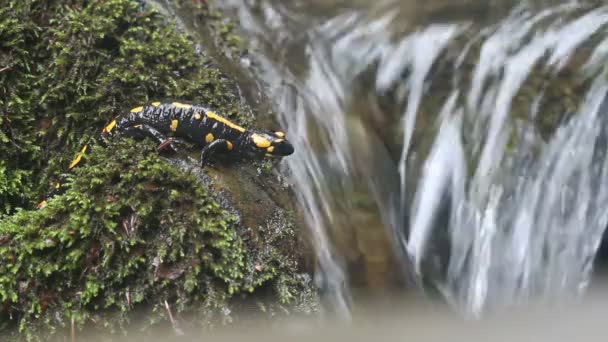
column 70, row 67
column 133, row 237
column 133, row 232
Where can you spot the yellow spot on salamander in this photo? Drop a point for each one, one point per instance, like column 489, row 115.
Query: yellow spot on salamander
column 75, row 161
column 197, row 116
column 229, row 145
column 280, row 134
column 138, row 126
column 41, row 204
column 182, row 105
column 279, row 140
column 109, row 127
column 270, row 149
column 225, row 121
column 174, row 124
column 137, row 109
column 78, row 157
column 260, row 141
column 209, row 137
column 156, row 104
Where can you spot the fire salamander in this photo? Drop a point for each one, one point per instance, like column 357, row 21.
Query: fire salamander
column 167, row 123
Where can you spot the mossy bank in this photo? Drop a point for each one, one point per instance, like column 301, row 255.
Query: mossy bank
column 133, row 237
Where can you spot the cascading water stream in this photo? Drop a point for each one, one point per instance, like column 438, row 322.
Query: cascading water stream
column 524, row 229
column 522, row 206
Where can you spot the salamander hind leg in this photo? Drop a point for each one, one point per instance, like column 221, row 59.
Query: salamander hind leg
column 217, row 146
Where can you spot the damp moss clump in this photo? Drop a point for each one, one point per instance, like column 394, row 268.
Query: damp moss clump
column 66, row 68
column 131, row 235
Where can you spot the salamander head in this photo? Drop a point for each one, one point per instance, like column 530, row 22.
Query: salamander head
column 270, row 144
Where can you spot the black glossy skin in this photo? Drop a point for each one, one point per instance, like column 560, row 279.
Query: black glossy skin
column 169, row 123
column 194, row 123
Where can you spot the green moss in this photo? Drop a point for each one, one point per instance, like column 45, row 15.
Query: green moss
column 222, row 29
column 226, row 31
column 71, row 68
column 131, row 232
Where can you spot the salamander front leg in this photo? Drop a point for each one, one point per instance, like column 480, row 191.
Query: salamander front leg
column 220, row 145
column 172, row 143
column 139, row 131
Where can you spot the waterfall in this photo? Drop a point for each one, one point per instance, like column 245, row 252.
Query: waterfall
column 480, row 148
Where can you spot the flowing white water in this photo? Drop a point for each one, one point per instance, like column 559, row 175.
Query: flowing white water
column 526, row 213
column 522, row 229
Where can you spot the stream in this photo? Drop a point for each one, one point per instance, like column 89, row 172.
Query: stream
column 454, row 145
